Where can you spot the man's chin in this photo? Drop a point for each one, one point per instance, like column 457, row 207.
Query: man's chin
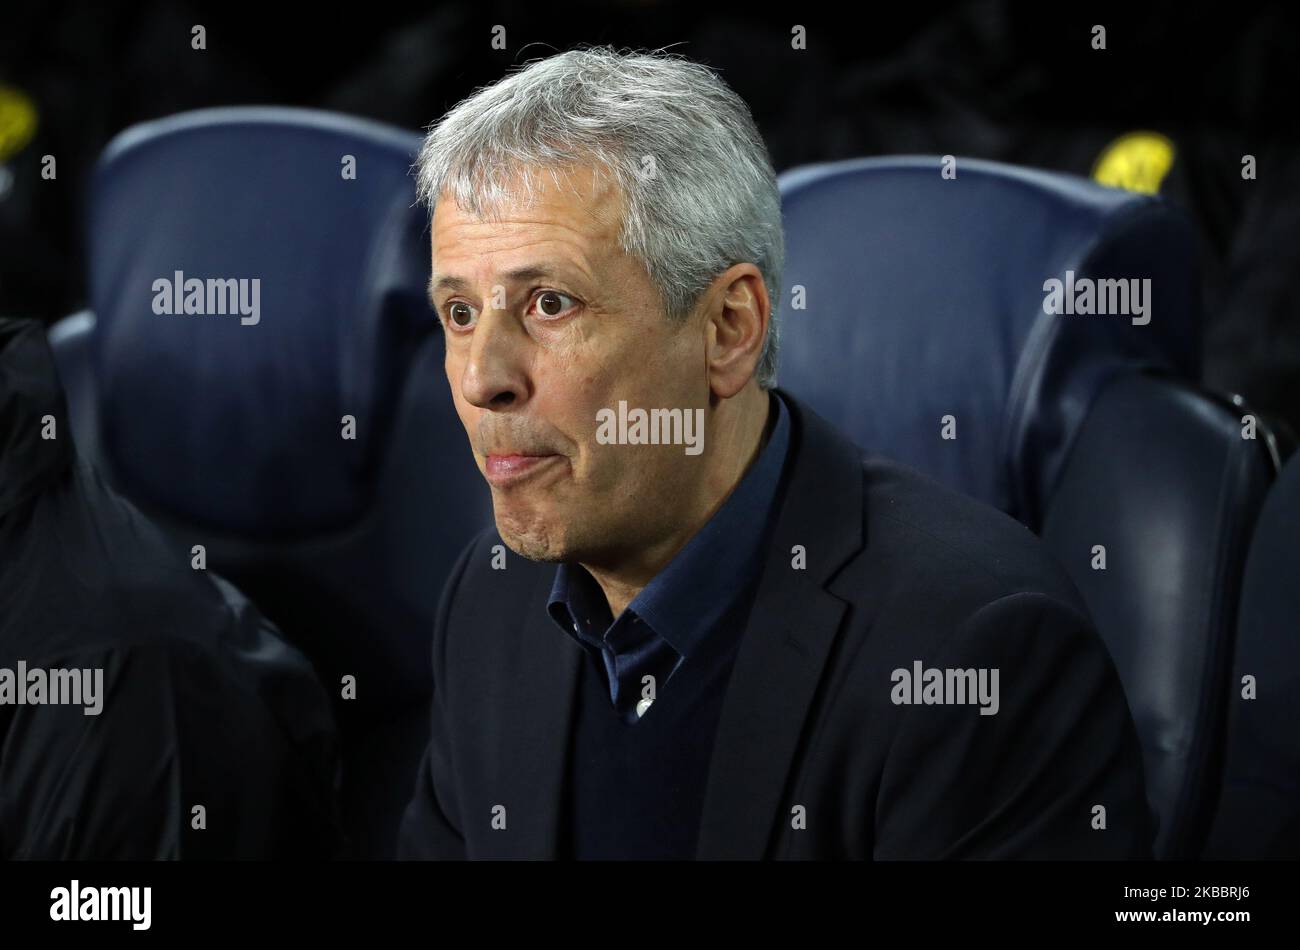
column 534, row 541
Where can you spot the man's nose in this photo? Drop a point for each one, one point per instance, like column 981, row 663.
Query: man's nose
column 494, row 375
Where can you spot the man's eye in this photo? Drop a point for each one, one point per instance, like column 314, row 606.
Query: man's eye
column 460, row 314
column 550, row 303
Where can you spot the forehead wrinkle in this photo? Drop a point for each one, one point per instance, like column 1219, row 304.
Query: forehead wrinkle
column 587, row 247
column 576, row 262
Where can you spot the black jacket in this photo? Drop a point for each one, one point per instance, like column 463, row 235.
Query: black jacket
column 203, row 704
column 813, row 758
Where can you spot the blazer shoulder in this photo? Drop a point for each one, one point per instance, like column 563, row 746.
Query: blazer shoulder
column 949, row 544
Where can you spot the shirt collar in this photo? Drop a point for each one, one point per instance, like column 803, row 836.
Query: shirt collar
column 685, row 600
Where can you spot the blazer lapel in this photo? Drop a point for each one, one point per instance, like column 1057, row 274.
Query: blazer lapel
column 791, row 628
column 533, row 757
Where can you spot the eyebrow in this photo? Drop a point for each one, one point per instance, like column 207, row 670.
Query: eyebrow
column 518, row 275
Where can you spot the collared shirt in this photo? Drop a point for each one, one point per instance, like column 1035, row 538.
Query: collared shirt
column 634, row 786
column 668, row 622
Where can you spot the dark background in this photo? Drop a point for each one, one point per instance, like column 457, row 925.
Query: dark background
column 1012, row 82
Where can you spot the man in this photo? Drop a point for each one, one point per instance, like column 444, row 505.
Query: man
column 727, row 635
column 147, row 710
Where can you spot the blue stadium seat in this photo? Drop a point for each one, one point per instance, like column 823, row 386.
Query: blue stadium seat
column 229, row 428
column 1162, row 480
column 924, row 299
column 1259, row 808
column 924, row 317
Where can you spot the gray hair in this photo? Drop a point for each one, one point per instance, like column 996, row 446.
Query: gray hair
column 698, row 185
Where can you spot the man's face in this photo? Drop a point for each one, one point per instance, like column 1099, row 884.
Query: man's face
column 533, row 357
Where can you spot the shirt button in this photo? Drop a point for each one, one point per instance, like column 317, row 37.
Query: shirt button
column 642, row 706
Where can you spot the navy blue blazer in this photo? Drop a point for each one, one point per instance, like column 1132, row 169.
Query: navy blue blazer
column 843, row 734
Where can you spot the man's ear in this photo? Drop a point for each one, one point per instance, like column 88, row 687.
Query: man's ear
column 736, row 325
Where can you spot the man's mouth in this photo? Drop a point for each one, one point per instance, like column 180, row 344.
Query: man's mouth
column 509, row 469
